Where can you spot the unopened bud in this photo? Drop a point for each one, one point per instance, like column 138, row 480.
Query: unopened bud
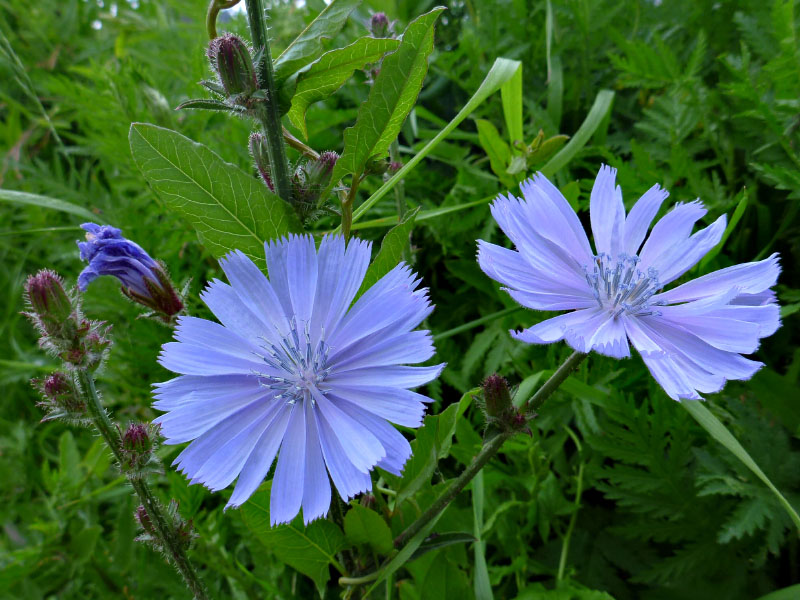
column 48, row 300
column 61, row 399
column 260, row 154
column 379, row 25
column 138, row 442
column 231, row 58
column 137, row 439
column 496, row 396
column 141, row 516
column 376, row 166
column 395, row 166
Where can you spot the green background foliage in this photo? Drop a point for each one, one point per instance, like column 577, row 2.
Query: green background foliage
column 617, row 493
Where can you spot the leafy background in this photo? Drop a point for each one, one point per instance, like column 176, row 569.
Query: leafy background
column 617, row 493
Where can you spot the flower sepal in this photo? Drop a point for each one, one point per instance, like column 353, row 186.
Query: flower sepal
column 61, row 399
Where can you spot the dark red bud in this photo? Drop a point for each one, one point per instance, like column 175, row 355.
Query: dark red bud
column 231, row 58
column 496, row 395
column 379, row 25
column 47, row 298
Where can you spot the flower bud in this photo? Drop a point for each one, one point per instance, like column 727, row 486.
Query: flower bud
column 48, row 300
column 231, row 59
column 318, row 172
column 496, row 396
column 376, row 166
column 379, row 25
column 60, row 397
column 143, row 279
column 141, row 516
column 260, row 154
column 138, row 442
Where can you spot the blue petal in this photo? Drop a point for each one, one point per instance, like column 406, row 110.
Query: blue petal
column 642, row 214
column 671, row 231
column 189, row 388
column 208, row 334
column 554, row 329
column 610, row 339
column 397, row 405
column 411, row 347
column 607, row 213
column 402, row 377
column 396, row 447
column 287, row 486
column 316, row 485
column 348, row 479
column 260, row 460
column 749, row 278
column 234, row 314
column 682, row 257
column 197, row 360
column 546, row 301
column 301, row 271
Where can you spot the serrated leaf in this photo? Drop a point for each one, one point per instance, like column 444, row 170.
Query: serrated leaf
column 720, row 433
column 16, row 197
column 391, row 98
column 330, row 72
column 307, row 46
column 363, row 526
column 391, row 253
column 228, row 208
column 310, row 550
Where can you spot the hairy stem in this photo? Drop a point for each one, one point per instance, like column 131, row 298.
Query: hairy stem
column 347, row 206
column 214, row 6
column 268, row 110
column 490, row 448
column 161, row 526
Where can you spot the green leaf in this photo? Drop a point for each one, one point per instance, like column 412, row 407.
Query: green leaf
column 737, row 215
column 330, row 72
column 433, row 443
column 720, row 433
column 481, row 584
column 788, row 593
column 391, row 98
column 444, row 581
column 307, row 46
column 49, row 203
column 496, row 149
column 393, row 245
column 598, row 112
column 228, row 208
column 206, row 104
column 501, row 71
column 363, row 526
column 424, row 215
column 310, row 550
column 511, row 95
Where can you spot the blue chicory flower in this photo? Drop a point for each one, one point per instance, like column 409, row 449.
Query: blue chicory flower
column 143, row 279
column 691, row 337
column 293, row 367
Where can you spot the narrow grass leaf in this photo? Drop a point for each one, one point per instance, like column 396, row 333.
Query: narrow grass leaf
column 15, row 197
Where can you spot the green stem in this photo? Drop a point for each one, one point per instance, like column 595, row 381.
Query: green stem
column 552, row 384
column 267, row 111
column 475, row 323
column 490, row 448
column 165, row 534
column 358, row 580
column 214, row 6
column 347, row 206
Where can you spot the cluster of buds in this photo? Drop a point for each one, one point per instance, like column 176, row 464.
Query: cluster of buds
column 179, row 528
column 498, row 408
column 144, row 280
column 61, row 399
column 379, row 27
column 138, row 444
column 309, row 180
column 64, row 332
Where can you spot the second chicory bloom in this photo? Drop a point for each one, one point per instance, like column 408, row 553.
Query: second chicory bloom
column 144, row 280
column 691, row 337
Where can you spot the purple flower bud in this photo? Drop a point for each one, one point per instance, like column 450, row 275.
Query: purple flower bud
column 318, row 172
column 496, row 396
column 138, row 442
column 143, row 279
column 259, row 152
column 48, row 300
column 61, row 399
column 395, row 166
column 141, row 516
column 231, row 59
column 137, row 438
column 379, row 25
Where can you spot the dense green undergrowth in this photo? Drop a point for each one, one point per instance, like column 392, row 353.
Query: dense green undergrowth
column 618, row 493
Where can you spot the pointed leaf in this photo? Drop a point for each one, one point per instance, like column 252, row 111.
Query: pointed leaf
column 206, row 104
column 363, row 526
column 310, row 550
column 16, row 197
column 307, row 46
column 330, row 72
column 391, row 98
column 228, row 208
column 391, row 253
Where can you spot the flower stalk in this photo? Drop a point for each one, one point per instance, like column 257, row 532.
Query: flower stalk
column 267, row 111
column 169, row 539
column 490, row 447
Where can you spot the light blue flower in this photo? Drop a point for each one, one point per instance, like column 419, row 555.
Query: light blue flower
column 691, row 337
column 299, row 370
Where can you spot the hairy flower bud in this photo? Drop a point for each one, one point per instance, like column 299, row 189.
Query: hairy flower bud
column 379, row 25
column 138, row 443
column 50, row 306
column 496, row 396
column 260, row 154
column 143, row 279
column 376, row 166
column 60, row 398
column 231, row 59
